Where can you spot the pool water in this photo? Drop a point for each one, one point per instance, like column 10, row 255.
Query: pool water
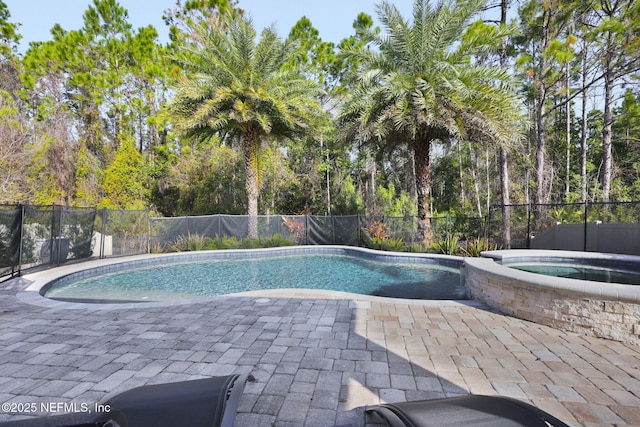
column 170, row 281
column 582, row 272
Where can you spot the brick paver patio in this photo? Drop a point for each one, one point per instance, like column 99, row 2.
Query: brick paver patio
column 317, row 358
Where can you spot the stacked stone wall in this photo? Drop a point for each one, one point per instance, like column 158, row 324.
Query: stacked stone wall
column 546, row 304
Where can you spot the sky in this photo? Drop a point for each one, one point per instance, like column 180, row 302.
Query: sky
column 332, row 18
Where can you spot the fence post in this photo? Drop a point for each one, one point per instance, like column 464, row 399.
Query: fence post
column 333, row 229
column 586, row 219
column 306, row 229
column 60, row 234
column 529, row 226
column 148, row 232
column 488, row 223
column 20, row 236
column 52, row 227
column 103, row 232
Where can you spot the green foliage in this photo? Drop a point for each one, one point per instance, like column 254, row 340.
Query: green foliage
column 376, row 236
column 243, row 86
column 316, row 57
column 422, row 85
column 475, row 246
column 196, row 242
column 346, row 200
column 190, row 242
column 398, row 205
column 417, row 248
column 88, row 174
column 447, row 245
column 395, row 245
column 276, row 241
column 384, row 244
column 125, row 179
column 86, row 90
column 9, row 36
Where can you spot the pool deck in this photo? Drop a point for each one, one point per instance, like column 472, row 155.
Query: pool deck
column 318, row 358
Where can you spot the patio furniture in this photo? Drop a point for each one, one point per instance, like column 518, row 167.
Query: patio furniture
column 198, row 403
column 471, row 410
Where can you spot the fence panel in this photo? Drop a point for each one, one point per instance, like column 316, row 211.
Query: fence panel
column 597, row 227
column 234, row 225
column 404, row 228
column 346, row 230
column 270, row 225
column 124, row 232
column 205, row 226
column 165, row 231
column 76, row 227
column 10, row 236
column 35, row 235
column 320, row 231
column 41, row 228
column 296, row 228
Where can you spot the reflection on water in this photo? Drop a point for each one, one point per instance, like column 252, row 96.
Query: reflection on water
column 369, row 276
column 581, row 272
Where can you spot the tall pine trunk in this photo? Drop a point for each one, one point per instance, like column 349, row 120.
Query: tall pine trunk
column 584, row 129
column 541, row 137
column 607, row 159
column 504, row 161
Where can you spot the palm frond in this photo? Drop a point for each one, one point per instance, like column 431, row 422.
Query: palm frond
column 422, row 80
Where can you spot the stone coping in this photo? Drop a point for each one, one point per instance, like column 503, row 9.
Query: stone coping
column 37, row 281
column 614, row 291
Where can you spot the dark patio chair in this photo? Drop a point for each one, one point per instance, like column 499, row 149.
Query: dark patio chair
column 471, row 410
column 210, row 402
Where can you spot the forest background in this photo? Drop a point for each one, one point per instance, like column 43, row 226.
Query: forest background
column 83, row 121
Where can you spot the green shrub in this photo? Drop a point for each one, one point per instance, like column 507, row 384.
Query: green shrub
column 190, row 242
column 417, row 248
column 446, row 246
column 276, row 241
column 476, row 246
column 395, row 245
column 221, row 242
column 195, row 242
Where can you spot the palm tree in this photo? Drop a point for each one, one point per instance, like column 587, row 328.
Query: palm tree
column 425, row 81
column 247, row 89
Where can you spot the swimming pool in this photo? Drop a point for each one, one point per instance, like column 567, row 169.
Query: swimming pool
column 220, row 273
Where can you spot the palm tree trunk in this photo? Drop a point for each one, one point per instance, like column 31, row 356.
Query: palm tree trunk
column 250, row 145
column 421, row 154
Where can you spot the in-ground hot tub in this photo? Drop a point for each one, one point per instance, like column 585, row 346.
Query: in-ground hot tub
column 595, row 308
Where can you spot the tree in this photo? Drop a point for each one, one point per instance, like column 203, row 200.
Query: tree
column 101, row 84
column 243, row 88
column 14, row 154
column 125, row 179
column 619, row 33
column 504, row 159
column 9, row 64
column 423, row 85
column 546, row 48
